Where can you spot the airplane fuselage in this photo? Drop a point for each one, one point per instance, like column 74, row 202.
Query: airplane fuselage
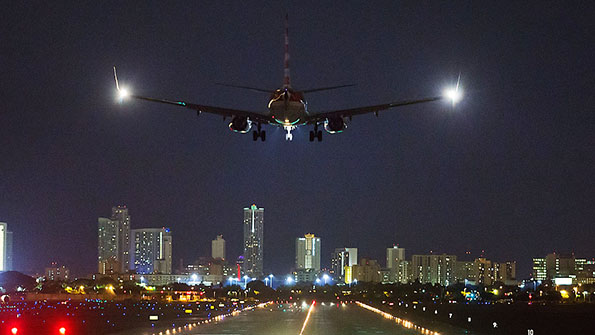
column 288, row 107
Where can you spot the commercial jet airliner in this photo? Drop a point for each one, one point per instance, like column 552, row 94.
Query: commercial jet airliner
column 287, row 107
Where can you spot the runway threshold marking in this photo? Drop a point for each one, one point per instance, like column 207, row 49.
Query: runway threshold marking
column 308, row 316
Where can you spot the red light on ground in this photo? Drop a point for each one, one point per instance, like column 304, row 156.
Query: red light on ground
column 62, row 330
column 14, row 331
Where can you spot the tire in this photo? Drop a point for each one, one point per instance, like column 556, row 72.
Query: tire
column 319, row 136
column 263, row 135
column 311, row 136
column 254, row 136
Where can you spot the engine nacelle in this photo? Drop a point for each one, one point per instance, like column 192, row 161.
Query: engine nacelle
column 334, row 125
column 240, row 124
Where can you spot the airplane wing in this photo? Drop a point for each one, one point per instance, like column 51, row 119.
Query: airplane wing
column 226, row 112
column 319, row 117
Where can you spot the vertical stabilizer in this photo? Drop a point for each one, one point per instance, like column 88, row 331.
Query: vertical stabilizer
column 286, row 81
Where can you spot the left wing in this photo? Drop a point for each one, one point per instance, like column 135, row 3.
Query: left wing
column 226, row 112
column 318, row 117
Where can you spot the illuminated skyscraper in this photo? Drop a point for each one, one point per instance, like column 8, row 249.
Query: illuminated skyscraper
column 152, row 250
column 114, row 241
column 307, row 252
column 120, row 214
column 253, row 238
column 394, row 255
column 3, row 228
column 107, row 246
column 341, row 258
column 218, row 248
column 397, row 265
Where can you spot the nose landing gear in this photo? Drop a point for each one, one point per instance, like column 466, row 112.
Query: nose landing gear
column 289, row 136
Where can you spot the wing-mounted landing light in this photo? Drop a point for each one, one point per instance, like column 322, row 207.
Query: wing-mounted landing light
column 122, row 91
column 454, row 94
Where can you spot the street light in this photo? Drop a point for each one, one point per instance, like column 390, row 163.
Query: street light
column 289, row 280
column 246, row 281
column 271, row 277
column 326, row 278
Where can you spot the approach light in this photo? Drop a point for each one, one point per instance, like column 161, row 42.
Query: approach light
column 14, row 330
column 62, row 330
column 454, row 95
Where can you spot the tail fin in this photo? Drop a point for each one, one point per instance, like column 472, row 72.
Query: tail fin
column 286, row 81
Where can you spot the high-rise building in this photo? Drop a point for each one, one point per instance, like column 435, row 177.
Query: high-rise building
column 56, row 272
column 394, row 255
column 465, row 271
column 152, row 250
column 108, row 246
column 539, row 269
column 484, row 271
column 307, row 252
column 253, row 241
column 218, row 248
column 114, row 242
column 396, row 265
column 3, row 229
column 434, row 269
column 505, row 272
column 120, row 214
column 352, row 256
column 307, row 258
column 339, row 260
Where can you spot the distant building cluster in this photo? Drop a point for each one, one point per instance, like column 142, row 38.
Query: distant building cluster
column 564, row 269
column 123, row 250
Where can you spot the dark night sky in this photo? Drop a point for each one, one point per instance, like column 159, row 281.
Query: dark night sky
column 509, row 171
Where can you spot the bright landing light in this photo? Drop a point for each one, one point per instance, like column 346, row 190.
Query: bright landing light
column 123, row 93
column 453, row 95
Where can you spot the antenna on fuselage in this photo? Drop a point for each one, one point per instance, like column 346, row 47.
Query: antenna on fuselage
column 286, row 81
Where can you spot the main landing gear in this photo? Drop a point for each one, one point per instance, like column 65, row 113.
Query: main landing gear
column 259, row 133
column 316, row 134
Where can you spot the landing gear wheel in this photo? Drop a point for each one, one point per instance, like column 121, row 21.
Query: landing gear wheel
column 312, row 136
column 263, row 135
column 255, row 136
column 319, row 136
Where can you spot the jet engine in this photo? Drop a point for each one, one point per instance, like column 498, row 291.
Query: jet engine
column 334, row 125
column 240, row 124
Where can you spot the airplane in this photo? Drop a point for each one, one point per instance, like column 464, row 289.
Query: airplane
column 287, row 107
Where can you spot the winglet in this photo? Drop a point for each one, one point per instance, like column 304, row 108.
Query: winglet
column 116, row 79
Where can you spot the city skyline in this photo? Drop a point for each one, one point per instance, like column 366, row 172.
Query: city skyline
column 120, row 214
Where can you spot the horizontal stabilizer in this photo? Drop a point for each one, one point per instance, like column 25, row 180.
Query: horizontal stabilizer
column 326, row 88
column 256, row 89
